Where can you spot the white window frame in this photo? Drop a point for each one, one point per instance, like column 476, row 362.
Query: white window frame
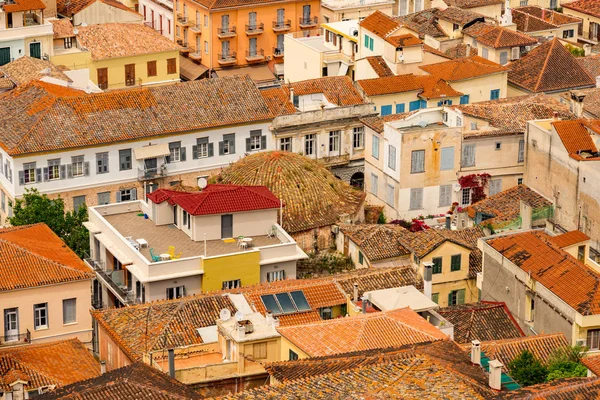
column 54, row 169
column 285, row 144
column 29, row 173
column 274, row 276
column 310, row 143
column 175, row 154
column 232, row 284
column 77, row 167
column 69, row 311
column 175, row 292
column 334, row 141
column 255, row 142
column 358, row 137
column 40, row 314
column 392, row 157
column 202, row 149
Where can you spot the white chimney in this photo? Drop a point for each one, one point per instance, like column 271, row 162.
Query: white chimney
column 355, row 298
column 468, row 50
column 270, row 319
column 598, row 82
column 18, row 390
column 427, row 273
column 292, row 95
column 496, row 374
column 171, row 354
column 102, row 367
column 476, row 352
column 241, row 329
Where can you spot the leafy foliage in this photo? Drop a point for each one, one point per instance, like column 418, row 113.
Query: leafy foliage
column 576, row 51
column 527, row 370
column 563, row 363
column 34, row 208
column 381, row 219
column 477, row 183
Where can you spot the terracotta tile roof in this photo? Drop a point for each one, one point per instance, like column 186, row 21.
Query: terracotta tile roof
column 57, row 363
column 377, row 242
column 460, row 51
column 112, row 40
column 32, row 256
column 592, row 362
column 498, row 37
column 529, row 19
column 62, row 28
column 510, row 115
column 560, row 389
column 390, row 84
column 481, row 321
column 26, row 69
column 463, row 68
column 423, row 22
column 429, row 49
column 569, row 239
column 376, row 122
column 164, row 324
column 424, row 242
column 299, row 318
column 432, row 371
column 506, row 350
column 278, row 101
column 380, row 66
column 591, row 102
column 505, row 206
column 43, row 117
column 362, row 332
column 548, row 67
column 24, row 5
column 220, row 4
column 312, row 195
column 590, row 7
column 575, row 137
column 70, row 7
column 405, row 40
column 369, row 279
column 472, row 3
column 436, row 88
column 380, row 24
column 591, row 64
column 221, row 199
column 137, row 381
column 458, row 16
column 558, row 271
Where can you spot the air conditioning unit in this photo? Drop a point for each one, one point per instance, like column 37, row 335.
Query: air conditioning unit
column 580, row 342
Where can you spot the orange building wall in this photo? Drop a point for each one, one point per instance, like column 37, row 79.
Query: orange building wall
column 238, row 17
column 116, row 358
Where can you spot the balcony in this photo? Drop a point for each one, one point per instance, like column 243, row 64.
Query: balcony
column 226, row 32
column 253, row 56
column 309, row 22
column 277, row 52
column 227, row 59
column 114, row 281
column 195, row 54
column 184, row 49
column 151, row 24
column 255, row 29
column 282, row 26
column 16, row 339
column 337, row 56
column 152, row 173
column 196, row 28
column 183, row 20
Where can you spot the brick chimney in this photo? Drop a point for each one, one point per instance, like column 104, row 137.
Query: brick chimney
column 476, row 352
column 496, row 374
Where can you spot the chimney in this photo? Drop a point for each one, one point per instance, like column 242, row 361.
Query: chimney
column 364, row 304
column 291, row 94
column 448, row 221
column 476, row 352
column 555, row 115
column 468, row 50
column 544, row 14
column 270, row 319
column 355, row 292
column 18, row 390
column 172, row 363
column 241, row 331
column 598, row 82
column 526, row 213
column 496, row 374
column 427, row 271
column 102, row 367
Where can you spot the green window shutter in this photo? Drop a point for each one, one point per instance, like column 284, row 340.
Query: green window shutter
column 437, row 265
column 455, row 262
column 460, row 296
column 361, row 258
column 435, row 297
column 450, row 302
column 367, row 41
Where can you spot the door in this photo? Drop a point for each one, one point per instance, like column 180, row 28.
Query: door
column 130, row 74
column 102, row 78
column 11, row 324
column 35, row 50
column 252, row 47
column 226, row 226
column 175, row 215
column 225, row 48
column 198, row 44
column 252, row 20
column 151, row 164
column 280, row 43
column 306, row 13
column 280, row 16
column 225, row 23
column 4, row 55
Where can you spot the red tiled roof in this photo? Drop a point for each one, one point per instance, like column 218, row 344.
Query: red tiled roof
column 458, row 15
column 380, row 66
column 424, row 22
column 590, row 7
column 219, row 199
column 376, row 122
column 436, row 88
column 299, row 318
column 70, row 7
column 377, row 242
column 498, row 37
column 592, row 362
column 390, row 84
column 569, row 239
column 472, row 3
column 575, row 137
column 405, row 40
column 559, row 389
column 463, row 68
column 362, row 332
column 380, row 24
column 549, row 67
column 429, row 49
column 24, row 5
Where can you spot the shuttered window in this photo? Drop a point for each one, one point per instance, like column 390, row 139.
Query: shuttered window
column 374, row 184
column 417, row 161
column 69, row 311
column 171, row 66
column 495, row 186
column 102, row 78
column 375, row 147
column 445, row 195
column 468, row 155
column 521, row 156
column 447, row 159
column 130, row 74
column 455, row 262
column 389, row 195
column 392, row 157
column 152, row 68
column 416, row 198
column 437, row 265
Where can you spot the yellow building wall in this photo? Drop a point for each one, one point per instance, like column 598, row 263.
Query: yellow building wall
column 586, row 20
column 286, row 346
column 244, row 266
column 247, row 349
column 493, row 11
column 479, row 89
column 393, row 99
column 46, row 41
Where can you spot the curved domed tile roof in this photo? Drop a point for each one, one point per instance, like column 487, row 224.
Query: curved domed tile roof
column 311, row 195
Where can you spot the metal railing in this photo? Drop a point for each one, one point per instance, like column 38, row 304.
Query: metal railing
column 282, row 25
column 228, row 57
column 152, row 173
column 182, row 19
column 309, row 21
column 196, row 27
column 17, row 338
column 255, row 28
column 277, row 52
column 257, row 53
column 114, row 279
column 226, row 31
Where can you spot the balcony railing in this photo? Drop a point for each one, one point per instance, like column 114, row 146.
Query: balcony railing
column 113, row 280
column 280, row 26
column 227, row 59
column 226, row 32
column 196, row 28
column 255, row 29
column 195, row 54
column 255, row 55
column 183, row 19
column 277, row 52
column 309, row 22
column 152, row 24
column 17, row 338
column 152, row 173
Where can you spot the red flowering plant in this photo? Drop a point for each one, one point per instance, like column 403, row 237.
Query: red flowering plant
column 477, row 183
column 418, row 225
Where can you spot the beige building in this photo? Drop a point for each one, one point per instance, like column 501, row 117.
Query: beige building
column 344, row 10
column 97, row 12
column 587, row 11
column 491, row 9
column 544, row 24
column 44, row 290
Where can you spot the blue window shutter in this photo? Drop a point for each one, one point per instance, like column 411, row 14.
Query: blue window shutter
column 399, row 108
column 449, row 102
column 495, row 94
column 464, row 99
column 447, row 159
column 371, row 44
column 423, row 104
column 367, row 41
column 414, row 105
column 386, row 110
column 440, row 103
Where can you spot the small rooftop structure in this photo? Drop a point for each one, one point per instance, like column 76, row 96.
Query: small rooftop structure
column 498, row 37
column 401, row 297
column 251, row 327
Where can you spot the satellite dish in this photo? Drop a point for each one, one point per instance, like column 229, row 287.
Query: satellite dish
column 456, row 187
column 225, row 314
column 75, row 31
column 239, row 316
column 202, row 182
column 353, row 31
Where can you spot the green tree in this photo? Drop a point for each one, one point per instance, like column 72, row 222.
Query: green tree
column 565, row 362
column 527, row 370
column 34, row 208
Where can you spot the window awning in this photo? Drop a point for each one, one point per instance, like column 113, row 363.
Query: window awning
column 112, row 248
column 189, row 70
column 153, row 151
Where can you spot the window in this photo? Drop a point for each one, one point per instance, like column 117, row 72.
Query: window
column 227, row 146
column 447, row 159
column 399, row 108
column 334, row 141
column 581, row 253
column 465, row 198
column 374, row 183
column 293, row 356
column 358, row 137
column 484, row 52
column 417, row 161
column 375, row 147
column 233, row 284
column 495, row 94
column 569, row 33
column 130, row 74
column 498, row 146
column 124, row 159
column 326, row 313
column 523, row 3
column 455, row 262
column 69, row 311
column 445, row 195
column 445, row 102
column 151, row 66
column 503, row 58
column 206, row 20
column 186, row 219
column 519, row 181
column 126, row 195
column 256, row 141
column 593, row 339
column 285, row 144
column 416, row 198
column 368, row 42
column 53, row 169
column 171, row 66
column 416, row 105
column 386, row 110
column 40, row 316
column 77, row 166
column 310, row 144
column 103, row 198
column 206, row 47
column 495, row 186
column 521, row 155
column 3, row 200
column 392, row 157
column 437, row 265
column 78, row 201
column 68, row 42
column 464, row 99
column 259, row 350
column 435, row 297
column 176, row 152
column 176, row 292
column 455, row 27
column 458, row 121
column 456, row 297
column 473, row 126
column 361, row 258
column 101, row 163
column 276, row 276
column 102, row 74
column 29, row 173
column 202, row 149
column 468, row 156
